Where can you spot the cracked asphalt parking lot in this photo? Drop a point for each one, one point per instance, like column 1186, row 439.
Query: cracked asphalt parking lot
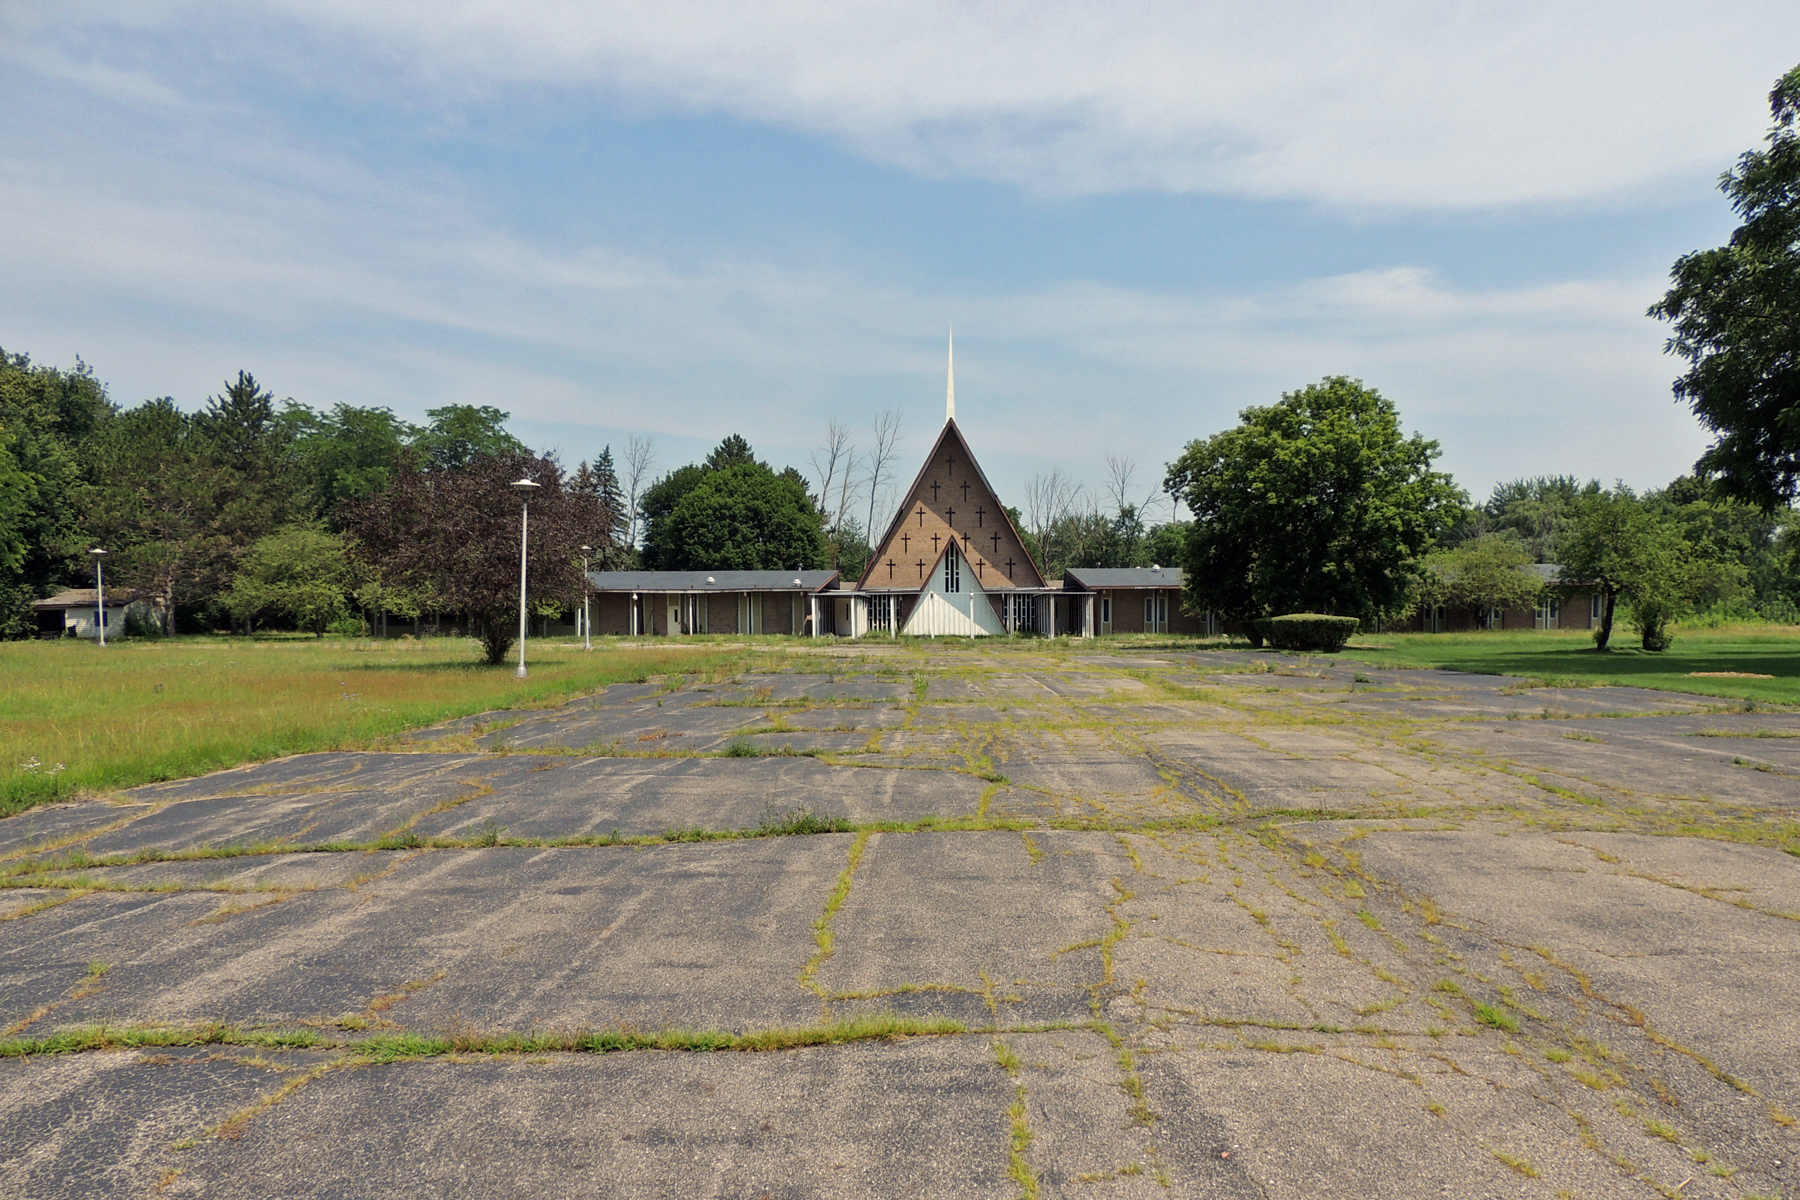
column 949, row 920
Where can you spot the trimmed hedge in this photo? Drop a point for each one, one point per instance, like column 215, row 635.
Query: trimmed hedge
column 1307, row 631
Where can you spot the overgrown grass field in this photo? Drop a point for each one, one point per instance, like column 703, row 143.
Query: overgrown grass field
column 1721, row 662
column 75, row 718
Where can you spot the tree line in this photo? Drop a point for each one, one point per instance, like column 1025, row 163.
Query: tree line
column 251, row 511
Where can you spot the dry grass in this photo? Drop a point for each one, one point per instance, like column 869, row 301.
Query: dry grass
column 75, row 718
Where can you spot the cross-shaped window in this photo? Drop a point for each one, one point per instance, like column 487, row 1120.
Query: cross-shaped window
column 950, row 462
column 921, row 568
column 905, row 543
column 950, row 514
column 921, row 516
column 996, row 541
column 965, row 488
column 934, row 492
column 980, row 517
column 1009, row 567
column 934, row 543
column 890, row 568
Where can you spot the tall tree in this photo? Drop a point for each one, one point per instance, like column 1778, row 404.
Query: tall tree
column 661, row 551
column 879, row 463
column 746, row 517
column 597, row 487
column 454, row 532
column 1538, row 511
column 732, row 512
column 640, row 456
column 1735, row 316
column 17, row 493
column 254, row 478
column 734, row 451
column 47, row 416
column 1316, row 504
column 458, row 434
column 345, row 454
column 613, row 505
column 157, row 503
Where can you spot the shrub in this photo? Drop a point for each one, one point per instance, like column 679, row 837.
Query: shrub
column 1307, row 631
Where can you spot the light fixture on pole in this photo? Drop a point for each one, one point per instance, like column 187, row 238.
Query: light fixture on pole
column 99, row 557
column 587, row 631
column 524, row 487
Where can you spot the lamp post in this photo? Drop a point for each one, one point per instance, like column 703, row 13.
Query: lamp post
column 587, row 631
column 99, row 557
column 524, row 487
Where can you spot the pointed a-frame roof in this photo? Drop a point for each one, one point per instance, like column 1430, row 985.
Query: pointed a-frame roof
column 938, row 507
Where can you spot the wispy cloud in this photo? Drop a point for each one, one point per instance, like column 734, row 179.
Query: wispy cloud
column 1391, row 104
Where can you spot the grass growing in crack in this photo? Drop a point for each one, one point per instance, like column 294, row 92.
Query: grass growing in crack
column 1518, row 1164
column 103, row 1037
column 822, row 933
column 232, row 1127
column 797, row 821
column 393, row 1047
column 1496, row 1018
column 1019, row 1167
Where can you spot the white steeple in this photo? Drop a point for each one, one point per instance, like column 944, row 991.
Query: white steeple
column 950, row 393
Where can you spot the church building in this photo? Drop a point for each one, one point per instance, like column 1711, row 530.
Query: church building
column 951, row 564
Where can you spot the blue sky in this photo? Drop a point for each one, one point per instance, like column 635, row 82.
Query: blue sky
column 685, row 220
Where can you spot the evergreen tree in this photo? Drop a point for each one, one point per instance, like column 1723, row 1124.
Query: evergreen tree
column 612, row 501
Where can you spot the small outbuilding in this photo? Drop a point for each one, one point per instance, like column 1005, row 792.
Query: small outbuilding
column 76, row 612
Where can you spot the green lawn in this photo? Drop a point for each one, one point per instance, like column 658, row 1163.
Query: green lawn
column 75, row 718
column 1570, row 658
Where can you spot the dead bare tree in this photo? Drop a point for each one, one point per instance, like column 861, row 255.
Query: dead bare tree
column 878, row 464
column 1121, row 474
column 1120, row 471
column 1048, row 499
column 846, row 492
column 835, row 456
column 640, row 456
